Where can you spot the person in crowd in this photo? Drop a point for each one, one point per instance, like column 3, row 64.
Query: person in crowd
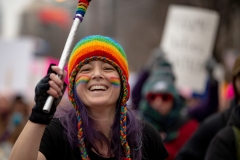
column 198, row 107
column 155, row 56
column 13, row 118
column 197, row 145
column 208, row 102
column 226, row 143
column 161, row 106
column 98, row 124
column 18, row 117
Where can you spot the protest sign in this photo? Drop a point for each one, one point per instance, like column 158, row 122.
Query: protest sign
column 188, row 40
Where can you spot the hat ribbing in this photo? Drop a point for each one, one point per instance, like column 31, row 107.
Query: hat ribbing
column 98, row 46
column 105, row 49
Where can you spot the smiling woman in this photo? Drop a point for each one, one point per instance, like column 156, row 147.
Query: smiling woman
column 99, row 91
column 98, row 124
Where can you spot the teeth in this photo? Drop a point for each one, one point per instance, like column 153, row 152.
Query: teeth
column 98, row 87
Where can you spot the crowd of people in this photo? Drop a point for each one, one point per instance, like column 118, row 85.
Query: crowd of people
column 14, row 113
column 96, row 122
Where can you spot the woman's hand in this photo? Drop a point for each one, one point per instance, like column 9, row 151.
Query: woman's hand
column 52, row 84
column 56, row 83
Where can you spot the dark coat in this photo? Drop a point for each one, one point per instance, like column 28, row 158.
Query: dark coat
column 197, row 145
column 223, row 146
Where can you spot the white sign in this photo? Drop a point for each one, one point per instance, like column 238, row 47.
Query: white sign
column 15, row 59
column 188, row 40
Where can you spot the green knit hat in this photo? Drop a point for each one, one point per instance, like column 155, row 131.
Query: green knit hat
column 161, row 80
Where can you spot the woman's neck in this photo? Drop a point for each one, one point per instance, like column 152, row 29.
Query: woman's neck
column 102, row 115
column 104, row 119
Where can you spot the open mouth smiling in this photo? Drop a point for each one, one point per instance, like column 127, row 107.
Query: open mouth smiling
column 98, row 88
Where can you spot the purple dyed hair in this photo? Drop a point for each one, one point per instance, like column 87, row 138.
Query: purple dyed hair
column 68, row 118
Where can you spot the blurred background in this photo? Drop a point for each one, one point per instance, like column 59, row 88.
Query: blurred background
column 33, row 34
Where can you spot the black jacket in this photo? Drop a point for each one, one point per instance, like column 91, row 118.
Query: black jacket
column 223, row 146
column 197, row 145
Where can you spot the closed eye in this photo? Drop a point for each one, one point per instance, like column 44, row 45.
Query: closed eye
column 109, row 68
column 85, row 69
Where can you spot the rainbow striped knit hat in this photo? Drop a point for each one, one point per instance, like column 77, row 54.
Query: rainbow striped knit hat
column 102, row 48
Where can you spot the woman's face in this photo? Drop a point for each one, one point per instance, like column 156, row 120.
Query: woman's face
column 98, row 84
column 161, row 102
